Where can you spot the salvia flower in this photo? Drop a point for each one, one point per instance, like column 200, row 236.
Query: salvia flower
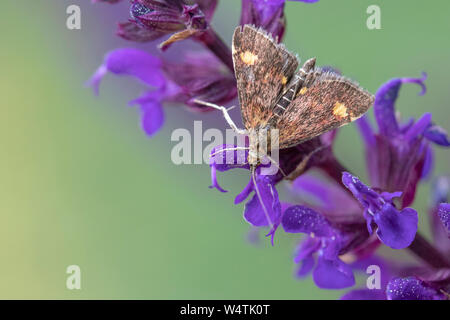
column 422, row 282
column 182, row 19
column 329, row 271
column 313, row 153
column 399, row 155
column 198, row 76
column 408, row 284
column 268, row 14
column 411, row 288
column 395, row 228
column 343, row 211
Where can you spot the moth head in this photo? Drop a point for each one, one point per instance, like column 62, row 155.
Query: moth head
column 259, row 145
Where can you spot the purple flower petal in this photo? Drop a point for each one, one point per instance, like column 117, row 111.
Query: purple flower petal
column 224, row 158
column 208, row 7
column 437, row 135
column 418, row 128
column 244, row 193
column 96, row 79
column 428, row 163
column 307, row 248
column 333, row 274
column 411, row 288
column 302, row 219
column 152, row 117
column 396, row 229
column 306, row 265
column 362, row 193
column 366, row 131
column 131, row 62
column 267, row 14
column 384, row 104
column 329, row 198
column 254, row 213
column 227, row 157
column 444, row 215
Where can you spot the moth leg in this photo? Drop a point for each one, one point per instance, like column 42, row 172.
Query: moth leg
column 225, row 114
column 228, row 149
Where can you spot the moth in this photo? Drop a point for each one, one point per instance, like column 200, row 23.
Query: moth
column 301, row 104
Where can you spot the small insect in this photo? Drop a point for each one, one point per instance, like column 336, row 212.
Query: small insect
column 274, row 95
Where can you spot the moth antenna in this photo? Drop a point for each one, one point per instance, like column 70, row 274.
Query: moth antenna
column 260, row 198
column 225, row 114
column 277, row 165
column 302, row 165
column 228, row 149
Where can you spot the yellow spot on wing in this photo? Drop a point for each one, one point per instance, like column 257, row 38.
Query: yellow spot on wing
column 340, row 110
column 284, row 80
column 248, row 58
column 303, row 90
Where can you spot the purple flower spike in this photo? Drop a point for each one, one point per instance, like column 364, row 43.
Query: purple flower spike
column 437, row 135
column 395, row 228
column 444, row 215
column 399, row 155
column 411, row 288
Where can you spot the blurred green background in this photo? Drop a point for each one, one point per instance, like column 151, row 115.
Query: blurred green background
column 81, row 183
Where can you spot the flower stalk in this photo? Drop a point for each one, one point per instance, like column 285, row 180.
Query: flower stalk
column 216, row 45
column 423, row 249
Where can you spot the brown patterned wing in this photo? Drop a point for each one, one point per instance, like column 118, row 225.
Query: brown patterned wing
column 263, row 68
column 325, row 102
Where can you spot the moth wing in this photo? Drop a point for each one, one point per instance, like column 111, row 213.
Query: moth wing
column 325, row 102
column 263, row 68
